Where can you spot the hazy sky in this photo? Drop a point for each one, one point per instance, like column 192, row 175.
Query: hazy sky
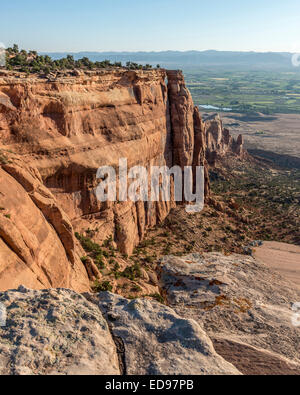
column 134, row 25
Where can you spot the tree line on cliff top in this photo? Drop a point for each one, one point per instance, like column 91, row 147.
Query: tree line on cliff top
column 30, row 62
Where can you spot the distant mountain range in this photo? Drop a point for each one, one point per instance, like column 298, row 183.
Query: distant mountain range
column 192, row 59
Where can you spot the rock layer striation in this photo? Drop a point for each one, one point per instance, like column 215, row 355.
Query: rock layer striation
column 55, row 134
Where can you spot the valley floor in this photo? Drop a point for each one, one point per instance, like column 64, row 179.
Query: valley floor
column 279, row 133
column 282, row 257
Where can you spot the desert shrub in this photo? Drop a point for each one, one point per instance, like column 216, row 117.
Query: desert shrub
column 84, row 259
column 107, row 242
column 88, row 245
column 157, row 297
column 132, row 272
column 3, row 159
column 136, row 288
column 149, row 259
column 99, row 261
column 33, row 63
column 167, row 249
column 189, row 248
column 116, row 267
column 105, row 286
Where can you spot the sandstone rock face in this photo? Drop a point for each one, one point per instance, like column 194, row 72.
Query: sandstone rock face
column 182, row 112
column 219, row 142
column 200, row 149
column 70, row 127
column 159, row 342
column 56, row 133
column 37, row 243
column 244, row 307
column 55, row 332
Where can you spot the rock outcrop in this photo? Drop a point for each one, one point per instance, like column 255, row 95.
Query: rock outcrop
column 61, row 332
column 159, row 342
column 55, row 332
column 219, row 142
column 182, row 121
column 244, row 307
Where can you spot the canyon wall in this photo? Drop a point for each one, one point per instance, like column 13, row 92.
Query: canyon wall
column 54, row 135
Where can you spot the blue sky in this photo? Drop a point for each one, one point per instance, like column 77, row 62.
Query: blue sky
column 134, row 25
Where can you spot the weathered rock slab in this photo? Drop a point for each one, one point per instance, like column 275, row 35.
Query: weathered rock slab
column 54, row 332
column 241, row 304
column 159, row 342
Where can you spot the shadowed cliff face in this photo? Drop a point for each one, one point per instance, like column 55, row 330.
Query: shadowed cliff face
column 66, row 129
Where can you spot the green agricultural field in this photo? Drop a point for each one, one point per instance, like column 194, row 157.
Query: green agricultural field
column 246, row 91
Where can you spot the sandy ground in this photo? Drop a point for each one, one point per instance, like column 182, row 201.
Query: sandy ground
column 284, row 258
column 278, row 133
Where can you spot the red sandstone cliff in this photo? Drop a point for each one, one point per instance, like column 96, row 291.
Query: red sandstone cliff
column 219, row 142
column 54, row 135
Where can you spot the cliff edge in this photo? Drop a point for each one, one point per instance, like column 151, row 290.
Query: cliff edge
column 54, row 135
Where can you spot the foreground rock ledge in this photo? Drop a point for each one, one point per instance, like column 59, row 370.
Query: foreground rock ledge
column 54, row 332
column 157, row 341
column 225, row 315
column 244, row 306
column 60, row 332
